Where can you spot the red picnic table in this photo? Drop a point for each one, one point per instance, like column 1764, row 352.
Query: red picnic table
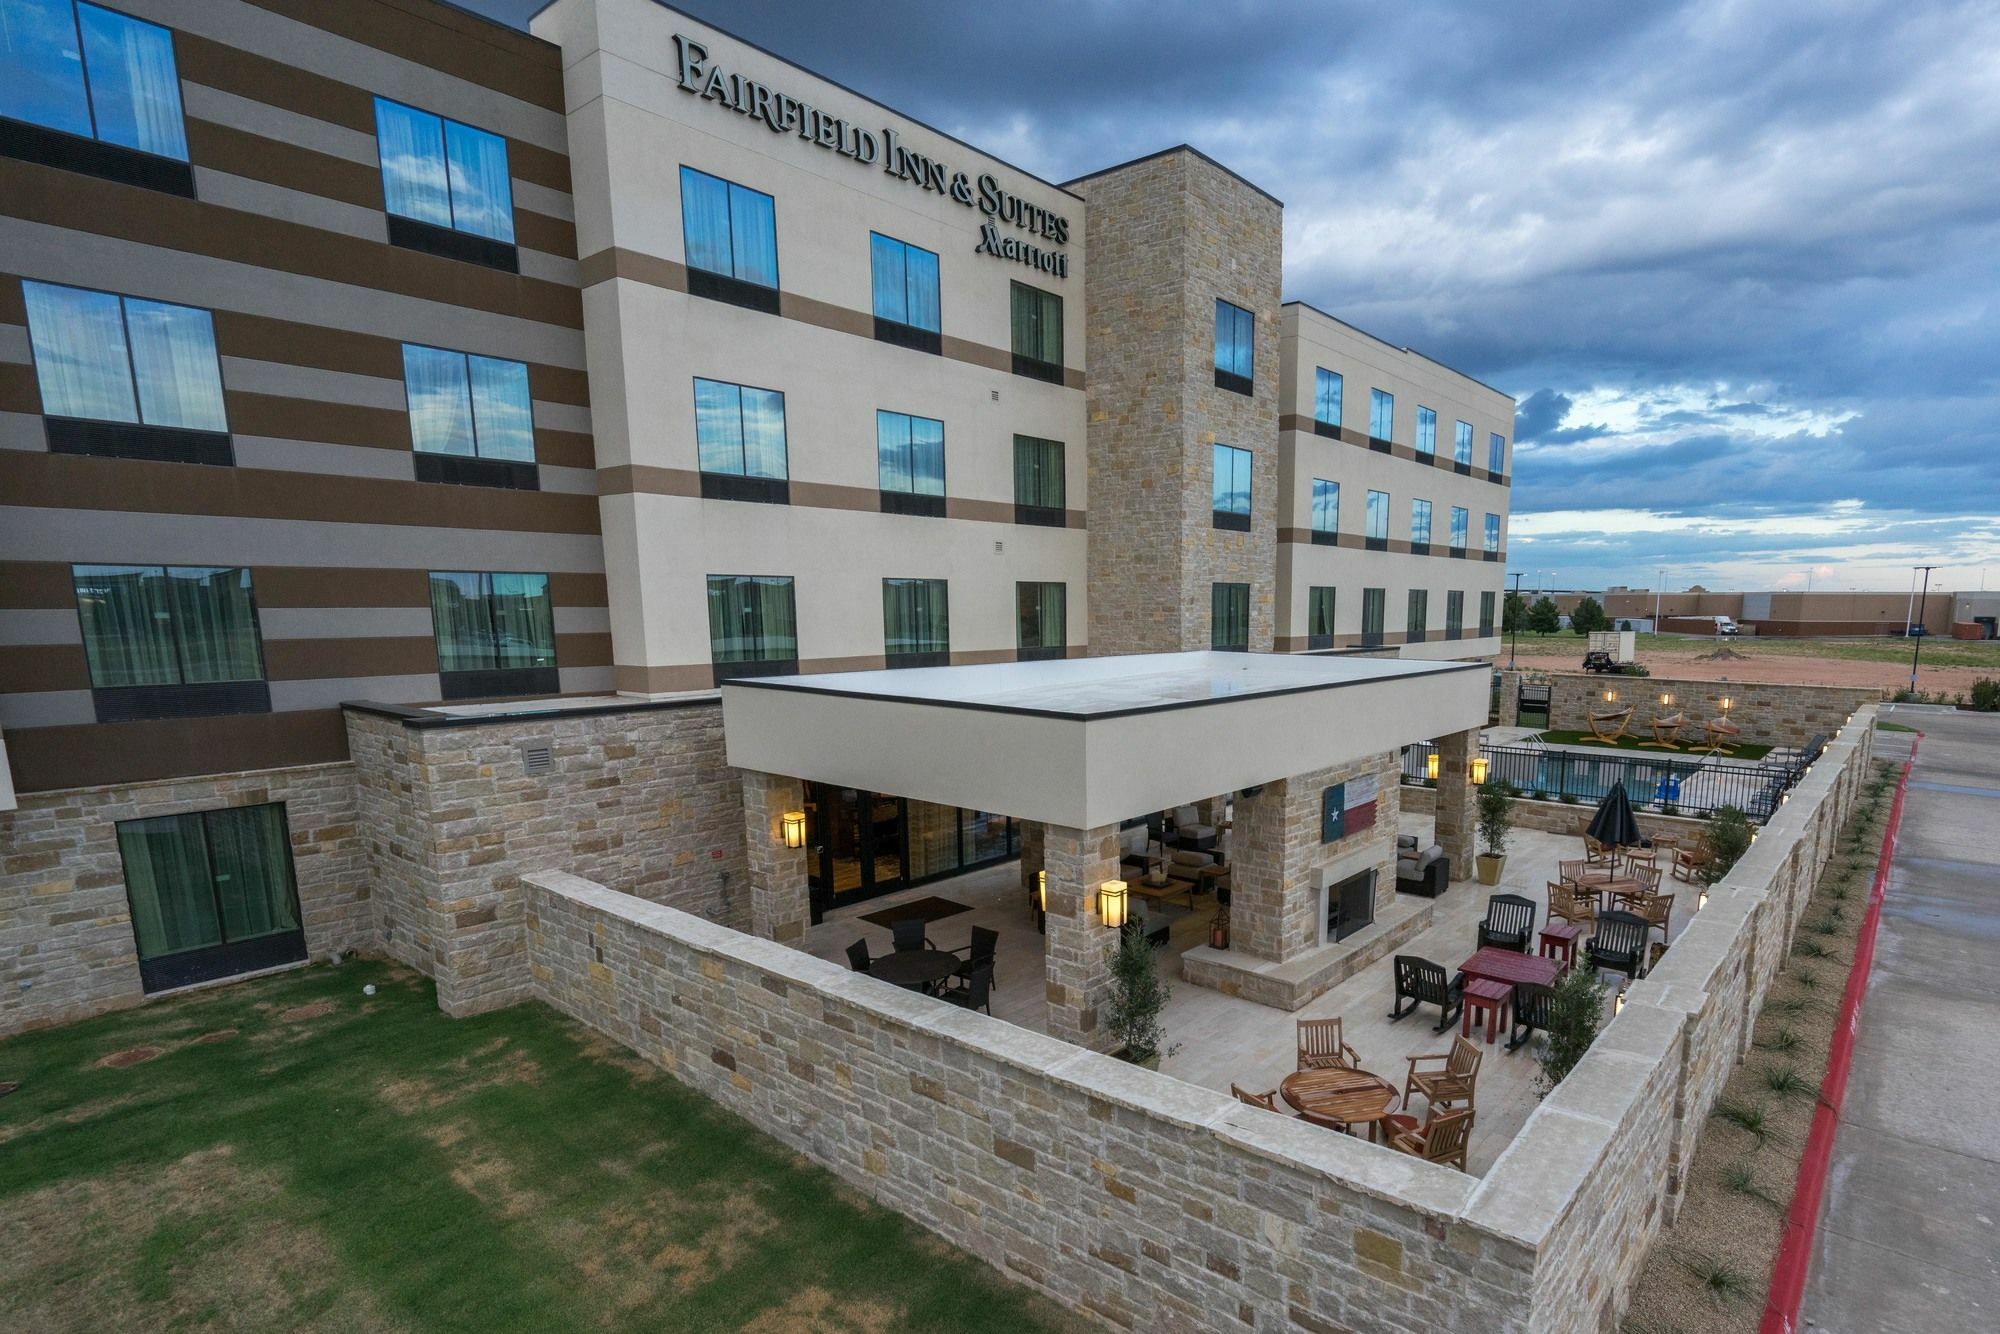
column 1498, row 965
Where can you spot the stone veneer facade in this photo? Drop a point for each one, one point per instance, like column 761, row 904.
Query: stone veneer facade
column 1770, row 714
column 1169, row 235
column 1275, row 906
column 1077, row 947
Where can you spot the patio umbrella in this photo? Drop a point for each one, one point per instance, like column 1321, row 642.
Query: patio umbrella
column 1613, row 824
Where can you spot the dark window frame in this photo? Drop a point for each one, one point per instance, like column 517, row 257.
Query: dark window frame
column 1231, row 520
column 741, row 485
column 1237, row 378
column 497, row 682
column 1322, row 639
column 1026, row 364
column 746, row 668
column 1375, row 600
column 209, row 963
column 1236, row 590
column 1025, row 652
column 180, row 699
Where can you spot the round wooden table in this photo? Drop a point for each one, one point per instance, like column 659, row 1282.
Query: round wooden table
column 914, row 968
column 1352, row 1097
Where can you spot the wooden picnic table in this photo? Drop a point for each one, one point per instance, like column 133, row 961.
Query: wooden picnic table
column 1351, row 1097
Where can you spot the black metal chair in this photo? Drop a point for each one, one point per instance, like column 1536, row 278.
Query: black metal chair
column 1509, row 924
column 857, row 956
column 1422, row 982
column 979, row 953
column 910, row 935
column 1531, row 1012
column 976, row 994
column 1620, row 944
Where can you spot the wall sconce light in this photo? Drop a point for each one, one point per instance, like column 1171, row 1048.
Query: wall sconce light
column 1111, row 903
column 1610, row 697
column 794, row 824
column 1701, row 901
column 1666, row 700
column 1431, row 766
column 1042, row 890
column 1477, row 771
column 1618, row 1003
column 1727, row 704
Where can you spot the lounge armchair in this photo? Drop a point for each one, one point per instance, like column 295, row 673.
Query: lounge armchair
column 1531, row 1012
column 1321, row 1046
column 1422, row 982
column 1610, row 725
column 1427, row 872
column 1509, row 924
column 976, row 994
column 1620, row 944
column 1666, row 730
column 1189, row 833
column 1454, row 1078
column 909, row 934
column 1267, row 1101
column 857, row 956
column 978, row 953
column 1443, row 1137
column 1576, row 906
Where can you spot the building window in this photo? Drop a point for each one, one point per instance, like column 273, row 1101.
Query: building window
column 91, row 90
column 1381, row 416
column 1374, row 608
column 905, row 286
column 1420, row 523
column 471, row 420
column 445, row 186
column 1319, row 617
column 1461, row 448
column 1420, row 612
column 1427, row 431
column 729, row 234
column 1229, row 617
column 1454, row 614
column 1325, row 512
column 1232, row 488
column 1039, row 485
column 126, row 378
column 1235, row 348
column 1486, row 601
column 1037, row 328
column 1492, row 532
column 753, row 627
column 916, row 622
column 1378, row 521
column 496, row 634
column 1042, row 613
column 1328, row 387
column 739, row 434
column 1459, row 520
column 909, row 454
column 211, row 893
column 173, row 641
column 1496, row 454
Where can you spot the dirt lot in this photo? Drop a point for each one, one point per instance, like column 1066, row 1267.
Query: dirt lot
column 1829, row 662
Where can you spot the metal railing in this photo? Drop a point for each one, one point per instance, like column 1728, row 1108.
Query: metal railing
column 1666, row 786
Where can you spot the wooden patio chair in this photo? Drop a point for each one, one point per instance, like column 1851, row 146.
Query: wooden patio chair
column 1531, row 1013
column 1321, row 1046
column 1576, row 906
column 1667, row 730
column 1658, row 912
column 1610, row 725
column 1691, row 864
column 1420, row 981
column 1453, row 1080
column 1509, row 924
column 1598, row 854
column 1620, row 944
column 1443, row 1137
column 1570, row 870
column 1267, row 1101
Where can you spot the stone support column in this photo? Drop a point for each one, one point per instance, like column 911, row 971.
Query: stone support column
column 1457, row 800
column 1509, row 712
column 1078, row 948
column 779, row 909
column 1030, row 832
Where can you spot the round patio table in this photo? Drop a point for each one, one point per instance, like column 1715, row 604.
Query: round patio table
column 1352, row 1097
column 914, row 968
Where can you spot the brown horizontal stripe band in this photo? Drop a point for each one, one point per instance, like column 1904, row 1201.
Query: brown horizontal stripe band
column 629, row 479
column 46, row 586
column 262, row 338
column 670, row 275
column 397, row 655
column 1292, row 421
column 92, row 754
column 68, row 481
column 34, row 667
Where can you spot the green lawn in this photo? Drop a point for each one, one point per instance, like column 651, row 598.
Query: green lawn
column 1637, row 743
column 1938, row 651
column 289, row 1154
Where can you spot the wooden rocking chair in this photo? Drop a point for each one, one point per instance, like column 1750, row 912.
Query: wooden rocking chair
column 1608, row 727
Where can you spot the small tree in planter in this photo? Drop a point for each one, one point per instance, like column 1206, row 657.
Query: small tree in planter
column 1137, row 997
column 1576, row 1011
column 1496, row 821
column 1725, row 840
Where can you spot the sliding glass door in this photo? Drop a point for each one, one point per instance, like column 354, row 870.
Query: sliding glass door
column 211, row 893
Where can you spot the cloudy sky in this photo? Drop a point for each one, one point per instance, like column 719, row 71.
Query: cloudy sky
column 1738, row 260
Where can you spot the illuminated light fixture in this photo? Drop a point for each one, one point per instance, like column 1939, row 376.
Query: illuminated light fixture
column 1431, row 766
column 1618, row 1003
column 1701, row 901
column 1477, row 770
column 1610, row 697
column 794, row 823
column 1111, row 903
column 1667, row 699
column 1042, row 890
column 1727, row 704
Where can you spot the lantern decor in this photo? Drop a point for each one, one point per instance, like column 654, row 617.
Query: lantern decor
column 1701, row 901
column 1111, row 903
column 1042, row 891
column 1431, row 766
column 1666, row 700
column 1610, row 697
column 794, row 823
column 1477, row 771
column 1727, row 704
column 1618, row 1003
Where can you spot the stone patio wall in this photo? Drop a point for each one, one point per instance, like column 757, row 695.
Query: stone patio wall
column 1769, row 713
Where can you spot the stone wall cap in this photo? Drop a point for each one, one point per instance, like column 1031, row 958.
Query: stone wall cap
column 422, row 716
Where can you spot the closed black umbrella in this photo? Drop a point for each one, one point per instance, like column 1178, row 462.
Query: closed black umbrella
column 1613, row 824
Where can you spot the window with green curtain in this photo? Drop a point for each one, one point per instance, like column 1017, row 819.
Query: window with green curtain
column 1319, row 617
column 1037, row 320
column 1043, row 615
column 916, row 617
column 1229, row 617
column 1328, row 387
column 208, row 878
column 1454, row 613
column 1486, row 601
column 1038, row 473
column 1374, row 608
column 1420, row 611
column 155, row 625
column 752, row 618
column 739, row 430
column 489, row 622
column 909, row 453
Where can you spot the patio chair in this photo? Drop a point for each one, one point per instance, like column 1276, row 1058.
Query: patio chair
column 857, row 956
column 1571, row 869
column 1268, row 1101
column 1598, row 854
column 1509, row 924
column 1576, row 906
column 1665, row 731
column 1531, row 1012
column 1321, row 1046
column 1620, row 944
column 1610, row 725
column 1422, row 982
column 1443, row 1137
column 1648, row 876
column 978, row 952
column 1453, row 1080
column 909, row 934
column 976, row 994
column 1658, row 912
column 1691, row 864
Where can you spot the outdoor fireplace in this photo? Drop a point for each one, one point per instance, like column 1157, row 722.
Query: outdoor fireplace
column 1350, row 905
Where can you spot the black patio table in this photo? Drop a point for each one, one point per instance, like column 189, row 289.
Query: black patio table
column 914, row 968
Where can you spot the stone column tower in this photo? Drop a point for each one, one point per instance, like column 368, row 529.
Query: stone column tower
column 1169, row 235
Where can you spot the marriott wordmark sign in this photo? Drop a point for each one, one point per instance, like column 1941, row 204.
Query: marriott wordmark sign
column 701, row 77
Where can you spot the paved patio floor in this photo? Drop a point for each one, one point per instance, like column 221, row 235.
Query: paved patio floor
column 1225, row 1039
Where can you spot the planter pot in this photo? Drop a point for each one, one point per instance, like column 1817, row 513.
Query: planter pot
column 1489, row 867
column 1150, row 1063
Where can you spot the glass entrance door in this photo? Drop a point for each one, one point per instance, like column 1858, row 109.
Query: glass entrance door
column 854, row 843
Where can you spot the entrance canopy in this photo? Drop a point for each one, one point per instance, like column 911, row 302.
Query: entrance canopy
column 1087, row 742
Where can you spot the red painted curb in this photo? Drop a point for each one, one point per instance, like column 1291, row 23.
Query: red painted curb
column 1788, row 1275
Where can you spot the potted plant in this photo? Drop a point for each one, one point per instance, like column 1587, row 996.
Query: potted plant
column 1137, row 997
column 1575, row 1012
column 1496, row 819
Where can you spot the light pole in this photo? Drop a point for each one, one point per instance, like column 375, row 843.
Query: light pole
column 1514, row 641
column 1917, row 650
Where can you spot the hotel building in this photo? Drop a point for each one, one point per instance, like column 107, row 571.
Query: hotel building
column 407, row 422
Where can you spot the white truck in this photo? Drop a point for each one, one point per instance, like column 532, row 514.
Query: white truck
column 1610, row 651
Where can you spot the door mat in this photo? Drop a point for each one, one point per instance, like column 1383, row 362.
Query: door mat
column 929, row 909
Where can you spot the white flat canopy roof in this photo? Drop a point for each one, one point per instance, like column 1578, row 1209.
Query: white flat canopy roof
column 1087, row 742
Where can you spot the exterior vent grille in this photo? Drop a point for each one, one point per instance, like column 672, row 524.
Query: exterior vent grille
column 537, row 757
